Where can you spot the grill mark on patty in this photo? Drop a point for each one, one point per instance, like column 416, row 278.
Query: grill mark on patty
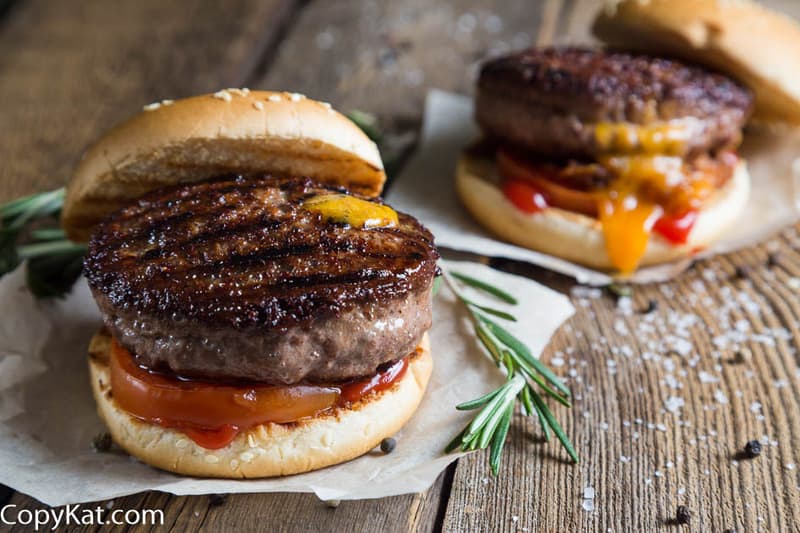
column 268, row 261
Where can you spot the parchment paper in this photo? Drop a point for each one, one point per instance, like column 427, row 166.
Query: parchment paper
column 426, row 188
column 48, row 419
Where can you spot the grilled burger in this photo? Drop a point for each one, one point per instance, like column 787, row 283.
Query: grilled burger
column 609, row 159
column 262, row 320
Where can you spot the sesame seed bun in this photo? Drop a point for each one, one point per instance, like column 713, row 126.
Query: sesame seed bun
column 269, row 449
column 231, row 131
column 759, row 47
column 577, row 237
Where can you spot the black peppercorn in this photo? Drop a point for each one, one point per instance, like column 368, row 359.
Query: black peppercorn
column 742, row 271
column 388, row 445
column 652, row 307
column 773, row 259
column 684, row 515
column 215, row 500
column 752, row 449
column 102, row 442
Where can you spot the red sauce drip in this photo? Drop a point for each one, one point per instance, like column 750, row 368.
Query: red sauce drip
column 211, row 439
column 353, row 392
column 676, row 228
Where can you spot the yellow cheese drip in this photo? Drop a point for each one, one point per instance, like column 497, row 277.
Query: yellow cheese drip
column 345, row 209
column 625, row 138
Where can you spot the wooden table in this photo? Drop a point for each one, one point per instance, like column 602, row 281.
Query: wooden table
column 71, row 69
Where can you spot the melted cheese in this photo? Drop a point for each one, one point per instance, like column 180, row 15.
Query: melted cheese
column 669, row 138
column 345, row 209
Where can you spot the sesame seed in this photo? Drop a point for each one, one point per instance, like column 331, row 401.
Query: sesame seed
column 246, row 457
column 274, row 98
column 212, row 459
column 223, row 95
column 258, row 105
column 152, row 107
column 167, row 102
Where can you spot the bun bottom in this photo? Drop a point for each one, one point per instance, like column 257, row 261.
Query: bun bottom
column 270, row 449
column 577, row 237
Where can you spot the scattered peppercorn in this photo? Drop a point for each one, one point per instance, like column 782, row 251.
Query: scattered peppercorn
column 684, row 515
column 215, row 500
column 773, row 259
column 742, row 272
column 388, row 445
column 652, row 307
column 741, row 356
column 752, row 449
column 102, row 442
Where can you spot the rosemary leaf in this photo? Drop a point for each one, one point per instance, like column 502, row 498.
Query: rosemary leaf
column 499, row 439
column 496, row 312
column 368, row 124
column 486, row 287
column 48, row 234
column 553, row 423
column 474, row 404
column 28, row 251
column 516, row 345
column 490, row 426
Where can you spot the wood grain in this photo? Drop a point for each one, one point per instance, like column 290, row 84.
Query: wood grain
column 63, row 85
column 71, row 70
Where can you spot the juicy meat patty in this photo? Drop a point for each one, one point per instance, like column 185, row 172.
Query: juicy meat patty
column 234, row 279
column 549, row 100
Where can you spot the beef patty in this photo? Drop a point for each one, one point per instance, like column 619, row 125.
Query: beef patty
column 550, row 100
column 234, row 279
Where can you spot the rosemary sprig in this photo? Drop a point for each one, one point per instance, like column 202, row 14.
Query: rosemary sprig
column 528, row 381
column 54, row 262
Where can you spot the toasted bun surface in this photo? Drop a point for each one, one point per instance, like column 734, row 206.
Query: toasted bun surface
column 758, row 46
column 577, row 237
column 232, row 131
column 269, row 449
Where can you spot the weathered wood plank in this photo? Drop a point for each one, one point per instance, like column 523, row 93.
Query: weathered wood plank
column 271, row 512
column 383, row 57
column 70, row 70
column 641, row 459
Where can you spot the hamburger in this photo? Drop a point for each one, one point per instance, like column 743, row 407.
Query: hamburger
column 610, row 159
column 264, row 314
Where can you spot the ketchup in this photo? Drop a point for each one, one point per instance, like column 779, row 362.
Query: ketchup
column 676, row 229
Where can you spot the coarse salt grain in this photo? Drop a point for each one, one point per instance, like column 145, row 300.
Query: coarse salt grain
column 674, row 404
column 274, row 98
column 258, row 105
column 246, row 457
column 296, row 97
column 588, row 493
column 152, row 107
column 181, row 443
column 212, row 459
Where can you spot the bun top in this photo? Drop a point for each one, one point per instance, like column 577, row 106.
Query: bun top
column 231, row 131
column 758, row 46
